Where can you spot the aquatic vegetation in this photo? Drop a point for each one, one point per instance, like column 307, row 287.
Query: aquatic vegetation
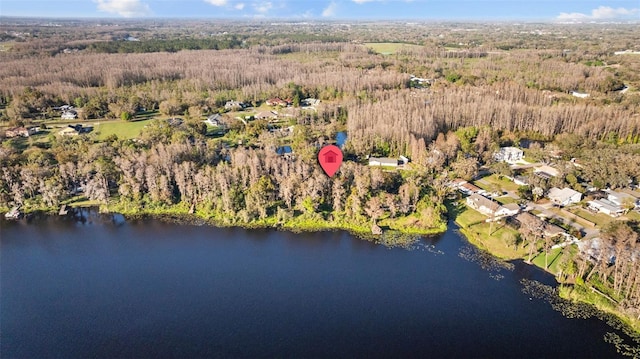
column 629, row 346
column 486, row 261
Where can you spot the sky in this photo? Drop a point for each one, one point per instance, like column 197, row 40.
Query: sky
column 549, row 10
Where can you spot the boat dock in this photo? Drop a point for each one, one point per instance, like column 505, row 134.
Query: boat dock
column 14, row 213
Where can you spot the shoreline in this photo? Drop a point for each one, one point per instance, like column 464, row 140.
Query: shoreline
column 294, row 223
column 573, row 292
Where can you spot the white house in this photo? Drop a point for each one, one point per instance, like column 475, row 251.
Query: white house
column 605, row 206
column 565, row 196
column 234, row 105
column 490, row 207
column 266, row 115
column 69, row 115
column 509, row 154
column 383, row 161
column 215, row 120
column 622, row 199
column 509, row 209
column 579, row 94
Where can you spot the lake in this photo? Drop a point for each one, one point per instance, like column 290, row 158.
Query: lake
column 104, row 287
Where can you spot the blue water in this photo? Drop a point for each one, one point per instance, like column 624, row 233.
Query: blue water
column 341, row 139
column 107, row 289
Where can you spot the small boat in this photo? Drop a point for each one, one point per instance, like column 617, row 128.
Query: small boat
column 63, row 210
column 14, row 213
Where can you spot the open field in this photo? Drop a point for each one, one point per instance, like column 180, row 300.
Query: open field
column 491, row 183
column 6, row 46
column 122, row 129
column 499, row 242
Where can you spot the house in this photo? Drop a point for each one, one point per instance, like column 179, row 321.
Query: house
column 75, row 130
column 551, row 230
column 266, row 115
column 606, row 206
column 419, row 81
column 21, row 131
column 383, row 161
column 509, row 154
column 69, row 115
column 564, row 197
column 623, row 199
column 545, row 171
column 216, row 120
column 468, row 188
column 276, row 101
column 483, row 204
column 175, row 121
column 547, row 230
column 64, row 108
column 456, row 183
column 310, row 102
column 511, row 209
column 234, row 105
column 491, row 208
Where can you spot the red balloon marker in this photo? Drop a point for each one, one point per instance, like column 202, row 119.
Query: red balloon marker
column 330, row 158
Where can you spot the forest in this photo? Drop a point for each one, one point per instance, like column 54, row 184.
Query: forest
column 446, row 96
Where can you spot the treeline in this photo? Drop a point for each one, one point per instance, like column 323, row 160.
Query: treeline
column 165, row 45
column 613, row 269
column 171, row 167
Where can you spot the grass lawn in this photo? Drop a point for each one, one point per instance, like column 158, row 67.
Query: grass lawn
column 506, row 200
column 476, row 230
column 498, row 242
column 6, row 46
column 553, row 259
column 122, row 129
column 389, row 48
column 599, row 219
column 414, row 224
column 469, row 217
column 633, row 215
column 502, row 183
column 81, row 201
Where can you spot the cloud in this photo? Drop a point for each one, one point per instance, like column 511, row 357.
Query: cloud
column 217, row 2
column 239, row 6
column 330, row 10
column 601, row 13
column 363, row 1
column 263, row 7
column 125, row 8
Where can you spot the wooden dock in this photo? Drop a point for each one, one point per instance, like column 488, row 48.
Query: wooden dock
column 63, row 210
